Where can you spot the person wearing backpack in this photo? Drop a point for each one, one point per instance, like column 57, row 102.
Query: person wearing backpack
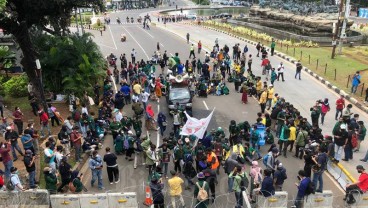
column 237, row 174
column 320, row 161
column 188, row 171
column 255, row 177
column 302, row 189
column 279, row 177
column 360, row 186
column 201, row 191
column 14, row 183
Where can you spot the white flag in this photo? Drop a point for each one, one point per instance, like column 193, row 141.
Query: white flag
column 196, row 127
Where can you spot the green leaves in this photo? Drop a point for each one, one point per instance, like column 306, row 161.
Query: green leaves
column 6, row 57
column 16, row 86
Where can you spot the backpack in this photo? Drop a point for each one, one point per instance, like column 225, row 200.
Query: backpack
column 310, row 189
column 202, row 193
column 244, row 183
column 354, row 140
column 9, row 185
column 126, row 143
column 265, row 159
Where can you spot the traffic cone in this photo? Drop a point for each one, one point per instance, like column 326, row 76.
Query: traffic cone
column 148, row 200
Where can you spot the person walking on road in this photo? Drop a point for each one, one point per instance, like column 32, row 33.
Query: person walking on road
column 355, row 82
column 188, row 38
column 299, row 68
column 133, row 54
column 320, row 166
column 250, row 61
column 273, row 45
column 175, row 189
column 340, row 105
column 12, row 136
column 199, row 47
column 192, row 51
column 263, row 99
column 95, row 164
column 201, row 186
column 280, row 72
column 111, row 166
column 279, row 177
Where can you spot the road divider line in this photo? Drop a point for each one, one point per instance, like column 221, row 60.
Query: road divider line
column 112, row 37
column 205, row 105
column 137, row 43
column 145, row 31
column 100, row 44
column 162, row 45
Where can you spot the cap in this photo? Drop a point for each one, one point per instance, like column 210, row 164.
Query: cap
column 8, row 128
column 343, row 126
column 255, row 163
column 280, row 165
column 200, row 175
column 13, row 169
column 275, row 150
column 360, row 167
column 29, row 152
column 173, row 172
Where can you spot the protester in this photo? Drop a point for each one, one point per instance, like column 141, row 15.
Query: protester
column 29, row 163
column 201, row 186
column 360, row 186
column 65, row 170
column 302, row 188
column 279, row 177
column 51, row 179
column 175, row 189
column 6, row 159
column 111, row 166
column 14, row 180
column 95, row 164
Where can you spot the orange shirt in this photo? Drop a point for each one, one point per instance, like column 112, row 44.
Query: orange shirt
column 210, row 160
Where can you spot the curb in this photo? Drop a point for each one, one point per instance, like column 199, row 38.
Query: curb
column 316, row 76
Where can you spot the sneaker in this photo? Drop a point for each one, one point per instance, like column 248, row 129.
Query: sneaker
column 101, row 188
column 111, row 183
column 117, row 181
column 363, row 160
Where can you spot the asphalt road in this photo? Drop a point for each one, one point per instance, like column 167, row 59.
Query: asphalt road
column 227, row 107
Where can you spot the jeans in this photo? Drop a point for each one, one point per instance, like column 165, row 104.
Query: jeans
column 338, row 151
column 239, row 199
column 32, row 179
column 43, row 128
column 1, row 111
column 230, row 183
column 269, row 103
column 280, row 74
column 297, row 74
column 174, row 199
column 348, row 152
column 299, row 201
column 165, row 167
column 97, row 175
column 365, row 157
column 84, row 130
column 354, row 89
column 7, row 166
column 16, row 147
column 19, row 125
column 337, row 113
column 77, row 149
column 318, row 177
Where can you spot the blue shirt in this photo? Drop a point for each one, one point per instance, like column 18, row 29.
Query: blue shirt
column 25, row 138
column 125, row 89
column 356, row 80
column 95, row 162
column 267, row 188
column 303, row 187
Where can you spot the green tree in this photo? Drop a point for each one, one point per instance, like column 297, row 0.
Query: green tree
column 61, row 57
column 7, row 57
column 52, row 16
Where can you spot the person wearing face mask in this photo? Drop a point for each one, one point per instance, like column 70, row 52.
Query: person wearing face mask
column 12, row 137
column 340, row 139
column 18, row 120
column 7, row 161
column 360, row 186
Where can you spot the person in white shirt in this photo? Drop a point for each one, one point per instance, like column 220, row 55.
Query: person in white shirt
column 49, row 153
column 14, row 178
column 118, row 115
column 144, row 97
column 68, row 123
column 84, row 109
column 280, row 72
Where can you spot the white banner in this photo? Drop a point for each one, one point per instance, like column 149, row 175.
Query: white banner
column 196, row 127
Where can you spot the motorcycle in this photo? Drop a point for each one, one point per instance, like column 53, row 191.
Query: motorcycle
column 112, row 59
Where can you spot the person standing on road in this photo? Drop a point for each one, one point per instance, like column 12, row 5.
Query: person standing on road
column 263, row 99
column 199, row 47
column 299, row 68
column 201, row 185
column 188, row 38
column 111, row 166
column 191, row 53
column 300, row 142
column 355, row 82
column 250, row 61
column 280, row 72
column 340, row 105
column 348, row 147
column 302, row 188
column 362, row 131
column 340, row 139
column 29, row 163
column 360, row 186
column 320, row 161
column 270, row 96
column 324, row 109
column 273, row 45
column 95, row 164
column 133, row 54
column 258, row 47
column 279, row 177
column 161, row 121
column 175, row 189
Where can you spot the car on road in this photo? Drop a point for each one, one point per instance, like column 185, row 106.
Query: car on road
column 179, row 94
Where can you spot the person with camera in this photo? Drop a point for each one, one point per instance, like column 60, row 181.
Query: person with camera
column 95, row 164
column 308, row 162
column 320, row 161
column 29, row 163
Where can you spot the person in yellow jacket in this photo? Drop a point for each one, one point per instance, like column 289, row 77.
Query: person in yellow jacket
column 271, row 90
column 263, row 99
column 292, row 137
column 237, row 149
column 212, row 159
column 258, row 86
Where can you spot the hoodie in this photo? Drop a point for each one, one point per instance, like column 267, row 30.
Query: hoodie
column 280, row 175
column 231, row 163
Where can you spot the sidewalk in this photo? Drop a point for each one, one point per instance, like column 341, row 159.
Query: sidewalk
column 302, row 94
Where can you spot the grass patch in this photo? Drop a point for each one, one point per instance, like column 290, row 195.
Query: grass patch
column 21, row 102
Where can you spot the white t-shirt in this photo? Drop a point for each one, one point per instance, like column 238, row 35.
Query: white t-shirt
column 16, row 182
column 280, row 69
column 58, row 157
column 145, row 96
column 118, row 116
column 85, row 110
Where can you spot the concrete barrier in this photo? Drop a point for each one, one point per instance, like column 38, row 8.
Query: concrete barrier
column 9, row 199
column 279, row 200
column 65, row 201
column 126, row 200
column 341, row 175
column 319, row 200
column 34, row 198
column 93, row 200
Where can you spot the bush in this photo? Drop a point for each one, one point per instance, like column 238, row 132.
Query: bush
column 16, row 86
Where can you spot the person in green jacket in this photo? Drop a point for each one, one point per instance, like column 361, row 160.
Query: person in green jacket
column 178, row 155
column 51, row 180
column 199, row 185
column 118, row 143
column 273, row 75
column 300, row 142
column 115, row 127
column 273, row 45
column 284, row 137
column 137, row 126
column 199, row 66
column 237, row 174
column 126, row 123
column 187, row 147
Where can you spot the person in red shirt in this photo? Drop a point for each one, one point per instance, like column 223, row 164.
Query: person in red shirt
column 18, row 120
column 1, row 179
column 44, row 122
column 340, row 105
column 7, row 161
column 361, row 186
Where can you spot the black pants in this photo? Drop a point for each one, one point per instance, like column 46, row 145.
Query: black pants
column 133, row 59
column 2, row 111
column 272, row 51
column 113, row 173
column 298, row 152
column 64, row 182
column 177, row 166
column 53, row 120
column 129, row 152
column 159, row 205
column 19, row 125
column 263, row 107
column 282, row 75
column 191, row 54
column 291, row 144
column 213, row 190
column 34, row 109
column 249, row 65
column 127, row 99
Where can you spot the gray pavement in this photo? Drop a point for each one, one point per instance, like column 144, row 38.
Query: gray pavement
column 300, row 93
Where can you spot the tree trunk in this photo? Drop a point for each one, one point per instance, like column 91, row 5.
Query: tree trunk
column 29, row 61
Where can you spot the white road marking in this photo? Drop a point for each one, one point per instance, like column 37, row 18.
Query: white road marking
column 171, row 54
column 112, row 37
column 205, row 105
column 158, row 132
column 137, row 43
column 145, row 31
column 162, row 45
column 100, row 44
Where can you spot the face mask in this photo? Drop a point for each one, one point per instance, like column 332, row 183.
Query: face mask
column 359, row 171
